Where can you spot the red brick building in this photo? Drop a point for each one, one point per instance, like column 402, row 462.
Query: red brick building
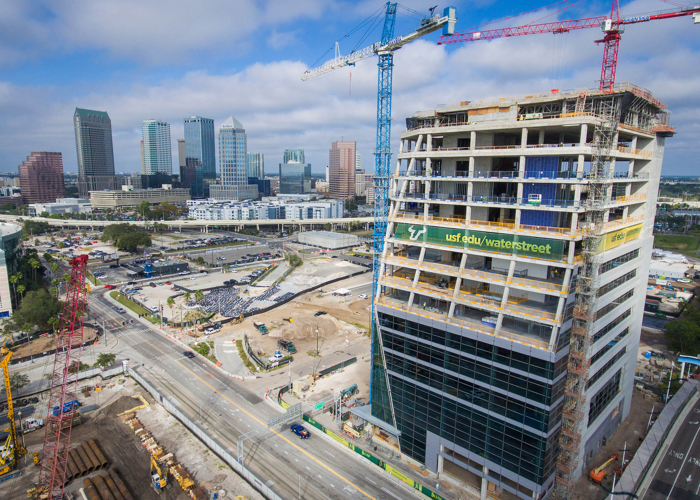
column 41, row 178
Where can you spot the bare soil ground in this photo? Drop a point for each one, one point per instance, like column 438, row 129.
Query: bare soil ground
column 631, row 430
column 46, row 344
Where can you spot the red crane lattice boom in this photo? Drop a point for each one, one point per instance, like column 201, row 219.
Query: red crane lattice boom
column 611, row 25
column 64, row 383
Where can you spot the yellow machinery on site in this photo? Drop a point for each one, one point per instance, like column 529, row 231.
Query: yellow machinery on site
column 159, row 480
column 13, row 450
column 599, row 473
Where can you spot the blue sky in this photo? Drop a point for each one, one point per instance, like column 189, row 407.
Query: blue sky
column 172, row 59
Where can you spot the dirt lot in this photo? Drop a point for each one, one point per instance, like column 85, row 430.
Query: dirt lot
column 45, row 344
column 631, row 430
column 125, row 453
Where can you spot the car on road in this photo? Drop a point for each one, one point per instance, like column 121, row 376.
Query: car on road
column 300, row 431
column 152, row 284
column 121, row 310
column 110, row 287
column 193, row 278
column 683, row 280
column 320, row 313
column 210, row 331
column 168, row 283
column 188, row 354
column 362, row 296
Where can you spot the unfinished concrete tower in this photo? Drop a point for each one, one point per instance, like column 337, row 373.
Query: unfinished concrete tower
column 513, row 283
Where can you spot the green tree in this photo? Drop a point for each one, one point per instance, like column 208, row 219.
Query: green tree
column 53, row 323
column 200, row 261
column 21, row 289
column 199, row 296
column 170, row 303
column 187, row 297
column 105, row 360
column 17, row 382
column 34, row 264
column 683, row 333
column 130, row 242
column 14, row 279
column 55, row 268
column 36, row 309
column 144, row 209
column 61, row 244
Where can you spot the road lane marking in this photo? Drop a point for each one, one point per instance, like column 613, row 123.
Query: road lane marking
column 274, row 431
column 331, row 454
column 390, row 493
column 679, row 471
column 368, row 479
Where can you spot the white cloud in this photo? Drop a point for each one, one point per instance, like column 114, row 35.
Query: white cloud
column 280, row 111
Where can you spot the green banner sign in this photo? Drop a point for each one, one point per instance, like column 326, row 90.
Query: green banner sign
column 515, row 244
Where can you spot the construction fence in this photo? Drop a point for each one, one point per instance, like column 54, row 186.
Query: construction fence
column 364, row 454
column 242, row 471
column 262, row 363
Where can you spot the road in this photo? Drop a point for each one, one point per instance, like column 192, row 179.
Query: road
column 229, row 409
column 678, row 475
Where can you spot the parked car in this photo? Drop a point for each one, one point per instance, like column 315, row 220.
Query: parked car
column 320, row 313
column 66, row 407
column 276, row 357
column 300, row 431
column 362, row 296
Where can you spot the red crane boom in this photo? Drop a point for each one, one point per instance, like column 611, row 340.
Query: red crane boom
column 64, row 384
column 611, row 25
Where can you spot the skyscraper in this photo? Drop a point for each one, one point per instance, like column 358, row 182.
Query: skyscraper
column 512, row 286
column 295, row 178
column 255, row 165
column 294, row 155
column 41, row 178
column 199, row 145
column 157, row 153
column 232, row 161
column 358, row 162
column 341, row 170
column 181, row 153
column 93, row 142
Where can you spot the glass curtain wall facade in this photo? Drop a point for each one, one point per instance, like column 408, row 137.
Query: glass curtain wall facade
column 156, row 147
column 93, row 142
column 479, row 275
column 199, row 152
column 255, row 165
column 294, row 155
column 233, row 153
column 295, row 178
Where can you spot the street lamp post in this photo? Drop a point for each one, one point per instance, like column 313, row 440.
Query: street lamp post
column 670, row 377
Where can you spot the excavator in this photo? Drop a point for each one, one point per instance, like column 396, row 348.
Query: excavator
column 159, row 480
column 12, row 450
column 597, row 475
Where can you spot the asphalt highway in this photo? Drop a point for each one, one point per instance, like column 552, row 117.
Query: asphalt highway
column 311, row 469
column 678, row 475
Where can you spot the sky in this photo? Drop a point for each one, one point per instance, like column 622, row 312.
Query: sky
column 172, row 59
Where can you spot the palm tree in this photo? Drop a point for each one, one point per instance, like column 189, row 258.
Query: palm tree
column 170, row 303
column 55, row 268
column 21, row 289
column 187, row 297
column 55, row 283
column 53, row 322
column 14, row 279
column 199, row 296
column 35, row 265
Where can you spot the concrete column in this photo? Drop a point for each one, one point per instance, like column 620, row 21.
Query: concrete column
column 521, row 167
column 567, row 278
column 409, row 304
column 430, row 142
column 471, row 166
column 560, row 306
column 511, row 270
column 518, row 212
column 504, row 300
column 540, row 138
column 584, row 134
column 581, row 162
column 472, row 140
column 484, row 486
column 572, row 251
column 523, row 137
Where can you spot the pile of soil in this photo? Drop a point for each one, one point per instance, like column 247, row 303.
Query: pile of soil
column 304, row 327
column 47, row 344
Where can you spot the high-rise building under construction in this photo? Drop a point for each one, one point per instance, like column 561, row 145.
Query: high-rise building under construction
column 513, row 283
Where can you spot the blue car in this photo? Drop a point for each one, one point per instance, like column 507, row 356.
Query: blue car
column 66, row 407
column 300, row 431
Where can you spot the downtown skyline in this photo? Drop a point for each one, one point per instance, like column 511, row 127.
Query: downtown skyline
column 142, row 74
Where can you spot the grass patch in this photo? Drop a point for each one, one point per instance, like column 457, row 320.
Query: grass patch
column 686, row 245
column 241, row 352
column 313, row 353
column 121, row 298
column 264, row 274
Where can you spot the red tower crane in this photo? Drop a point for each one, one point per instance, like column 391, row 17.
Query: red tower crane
column 64, row 384
column 612, row 27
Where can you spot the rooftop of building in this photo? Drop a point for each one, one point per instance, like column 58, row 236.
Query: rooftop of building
column 9, row 229
column 550, row 96
column 327, row 234
column 91, row 112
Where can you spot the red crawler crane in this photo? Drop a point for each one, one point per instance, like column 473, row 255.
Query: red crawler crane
column 64, row 384
column 612, row 27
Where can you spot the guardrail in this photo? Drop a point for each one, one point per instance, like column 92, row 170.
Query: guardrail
column 241, row 469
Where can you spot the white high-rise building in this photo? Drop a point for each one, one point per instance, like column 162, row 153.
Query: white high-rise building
column 358, row 161
column 156, row 154
column 233, row 144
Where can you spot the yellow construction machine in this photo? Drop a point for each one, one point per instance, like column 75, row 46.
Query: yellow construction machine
column 13, row 450
column 159, row 480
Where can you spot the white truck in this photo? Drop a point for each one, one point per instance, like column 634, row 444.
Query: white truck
column 31, row 424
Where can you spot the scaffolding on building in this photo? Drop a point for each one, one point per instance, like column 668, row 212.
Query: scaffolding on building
column 584, row 316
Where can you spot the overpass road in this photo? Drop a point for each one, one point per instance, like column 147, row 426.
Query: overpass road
column 293, row 468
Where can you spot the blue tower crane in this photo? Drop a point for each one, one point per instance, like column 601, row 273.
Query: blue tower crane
column 382, row 153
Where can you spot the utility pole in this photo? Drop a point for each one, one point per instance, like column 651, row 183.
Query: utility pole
column 104, row 331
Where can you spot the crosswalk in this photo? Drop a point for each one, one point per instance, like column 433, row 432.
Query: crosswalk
column 123, row 331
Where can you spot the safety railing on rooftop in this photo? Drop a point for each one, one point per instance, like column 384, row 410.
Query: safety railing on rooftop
column 494, row 174
column 501, row 278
